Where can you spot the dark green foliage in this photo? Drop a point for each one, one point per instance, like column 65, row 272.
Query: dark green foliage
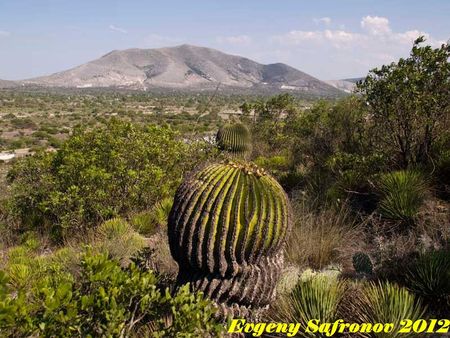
column 429, row 275
column 114, row 170
column 269, row 121
column 409, row 104
column 100, row 300
column 402, row 194
column 362, row 263
column 227, row 226
column 235, row 139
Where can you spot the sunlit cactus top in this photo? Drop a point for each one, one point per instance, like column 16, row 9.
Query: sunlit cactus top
column 234, row 139
column 226, row 216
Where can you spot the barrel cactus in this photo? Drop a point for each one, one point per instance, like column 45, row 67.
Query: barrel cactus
column 227, row 228
column 234, row 139
column 362, row 263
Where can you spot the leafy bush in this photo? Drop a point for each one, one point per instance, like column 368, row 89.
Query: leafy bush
column 402, row 194
column 409, row 103
column 100, row 300
column 114, row 170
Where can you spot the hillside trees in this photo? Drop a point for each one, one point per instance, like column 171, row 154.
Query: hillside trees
column 409, row 103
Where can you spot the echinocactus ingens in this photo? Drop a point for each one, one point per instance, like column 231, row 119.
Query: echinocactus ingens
column 226, row 230
column 234, row 139
column 362, row 263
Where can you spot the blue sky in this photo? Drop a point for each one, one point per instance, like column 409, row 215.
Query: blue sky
column 329, row 39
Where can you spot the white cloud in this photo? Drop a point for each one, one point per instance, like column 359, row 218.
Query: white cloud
column 118, row 29
column 235, row 40
column 330, row 52
column 376, row 25
column 325, row 20
column 376, row 34
column 337, row 38
column 4, row 33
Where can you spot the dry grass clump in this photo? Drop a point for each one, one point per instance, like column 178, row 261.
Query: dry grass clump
column 156, row 256
column 434, row 222
column 324, row 237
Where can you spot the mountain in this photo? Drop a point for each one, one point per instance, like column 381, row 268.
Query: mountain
column 7, row 84
column 184, row 67
column 346, row 85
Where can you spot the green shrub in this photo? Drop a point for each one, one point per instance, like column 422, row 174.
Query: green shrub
column 402, row 194
column 101, row 299
column 115, row 170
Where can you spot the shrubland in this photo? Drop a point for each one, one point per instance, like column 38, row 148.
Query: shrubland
column 84, row 248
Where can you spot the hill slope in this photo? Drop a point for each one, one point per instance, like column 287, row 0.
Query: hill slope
column 7, row 84
column 346, row 85
column 184, row 67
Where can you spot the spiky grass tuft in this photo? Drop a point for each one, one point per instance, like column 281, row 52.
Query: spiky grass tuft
column 402, row 194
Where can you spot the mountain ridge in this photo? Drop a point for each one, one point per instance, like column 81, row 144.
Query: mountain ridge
column 184, row 67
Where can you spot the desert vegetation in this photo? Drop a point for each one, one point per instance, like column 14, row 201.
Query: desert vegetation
column 130, row 218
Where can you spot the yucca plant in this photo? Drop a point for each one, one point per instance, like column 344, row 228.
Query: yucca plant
column 234, row 139
column 402, row 194
column 118, row 238
column 161, row 211
column 429, row 275
column 148, row 222
column 113, row 228
column 316, row 297
column 385, row 302
column 20, row 275
column 226, row 229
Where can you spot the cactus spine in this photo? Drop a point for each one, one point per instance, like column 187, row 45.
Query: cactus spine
column 226, row 230
column 234, row 139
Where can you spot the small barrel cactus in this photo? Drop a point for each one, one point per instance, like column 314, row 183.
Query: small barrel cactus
column 362, row 263
column 227, row 227
column 234, row 139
